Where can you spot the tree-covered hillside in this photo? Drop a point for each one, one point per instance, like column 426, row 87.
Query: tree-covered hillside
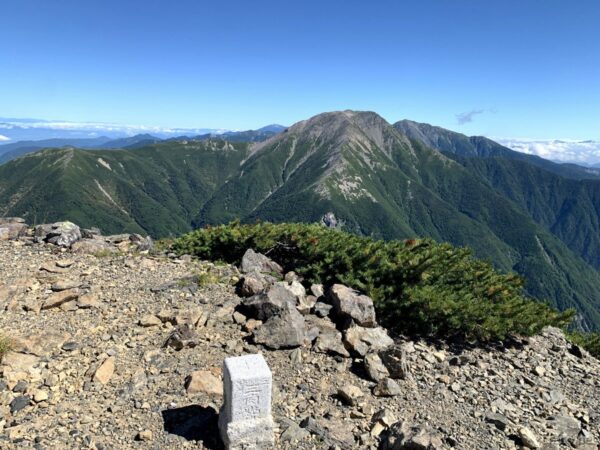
column 375, row 180
column 156, row 190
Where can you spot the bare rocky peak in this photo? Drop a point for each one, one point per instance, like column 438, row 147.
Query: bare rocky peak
column 432, row 136
column 415, row 130
column 365, row 128
column 439, row 138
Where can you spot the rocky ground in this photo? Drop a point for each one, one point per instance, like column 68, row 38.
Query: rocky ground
column 116, row 348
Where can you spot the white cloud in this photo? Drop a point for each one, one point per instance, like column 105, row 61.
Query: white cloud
column 582, row 152
column 100, row 127
column 4, row 138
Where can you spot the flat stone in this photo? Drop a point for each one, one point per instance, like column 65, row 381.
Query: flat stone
column 65, row 263
column 41, row 344
column 19, row 362
column 350, row 394
column 93, row 247
column 88, row 301
column 565, row 425
column 387, row 388
column 105, row 371
column 149, row 320
column 53, row 268
column 145, row 436
column 70, row 346
column 498, row 420
column 528, row 439
column 58, row 298
column 19, row 403
column 63, row 285
column 205, row 382
column 40, row 396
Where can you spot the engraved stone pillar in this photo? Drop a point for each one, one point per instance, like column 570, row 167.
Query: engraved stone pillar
column 245, row 419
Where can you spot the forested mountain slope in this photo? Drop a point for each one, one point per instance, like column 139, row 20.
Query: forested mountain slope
column 373, row 178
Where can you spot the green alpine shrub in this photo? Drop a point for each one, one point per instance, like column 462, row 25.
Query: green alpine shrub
column 418, row 285
column 589, row 341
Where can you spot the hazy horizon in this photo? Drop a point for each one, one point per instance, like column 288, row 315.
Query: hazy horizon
column 514, row 71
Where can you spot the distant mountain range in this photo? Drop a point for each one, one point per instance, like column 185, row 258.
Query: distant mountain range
column 14, row 150
column 523, row 213
column 35, row 129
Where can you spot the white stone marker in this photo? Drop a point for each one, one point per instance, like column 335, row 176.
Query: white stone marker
column 245, row 419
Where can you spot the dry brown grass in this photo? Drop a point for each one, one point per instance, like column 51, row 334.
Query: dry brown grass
column 6, row 345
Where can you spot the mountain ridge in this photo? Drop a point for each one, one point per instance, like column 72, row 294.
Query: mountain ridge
column 556, row 196
column 374, row 179
column 462, row 145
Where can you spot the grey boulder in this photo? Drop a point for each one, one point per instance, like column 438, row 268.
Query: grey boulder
column 360, row 340
column 257, row 262
column 276, row 301
column 62, row 234
column 402, row 436
column 10, row 231
column 375, row 368
column 330, row 342
column 350, row 307
column 282, row 331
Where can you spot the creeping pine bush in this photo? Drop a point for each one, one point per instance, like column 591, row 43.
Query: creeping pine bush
column 589, row 341
column 418, row 285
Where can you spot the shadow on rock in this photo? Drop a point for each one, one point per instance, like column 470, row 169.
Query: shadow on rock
column 194, row 423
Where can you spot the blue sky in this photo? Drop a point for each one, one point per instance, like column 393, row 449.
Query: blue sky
column 524, row 68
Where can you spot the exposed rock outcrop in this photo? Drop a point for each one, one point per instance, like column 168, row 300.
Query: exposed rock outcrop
column 129, row 356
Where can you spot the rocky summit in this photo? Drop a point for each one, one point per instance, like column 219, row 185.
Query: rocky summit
column 111, row 343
